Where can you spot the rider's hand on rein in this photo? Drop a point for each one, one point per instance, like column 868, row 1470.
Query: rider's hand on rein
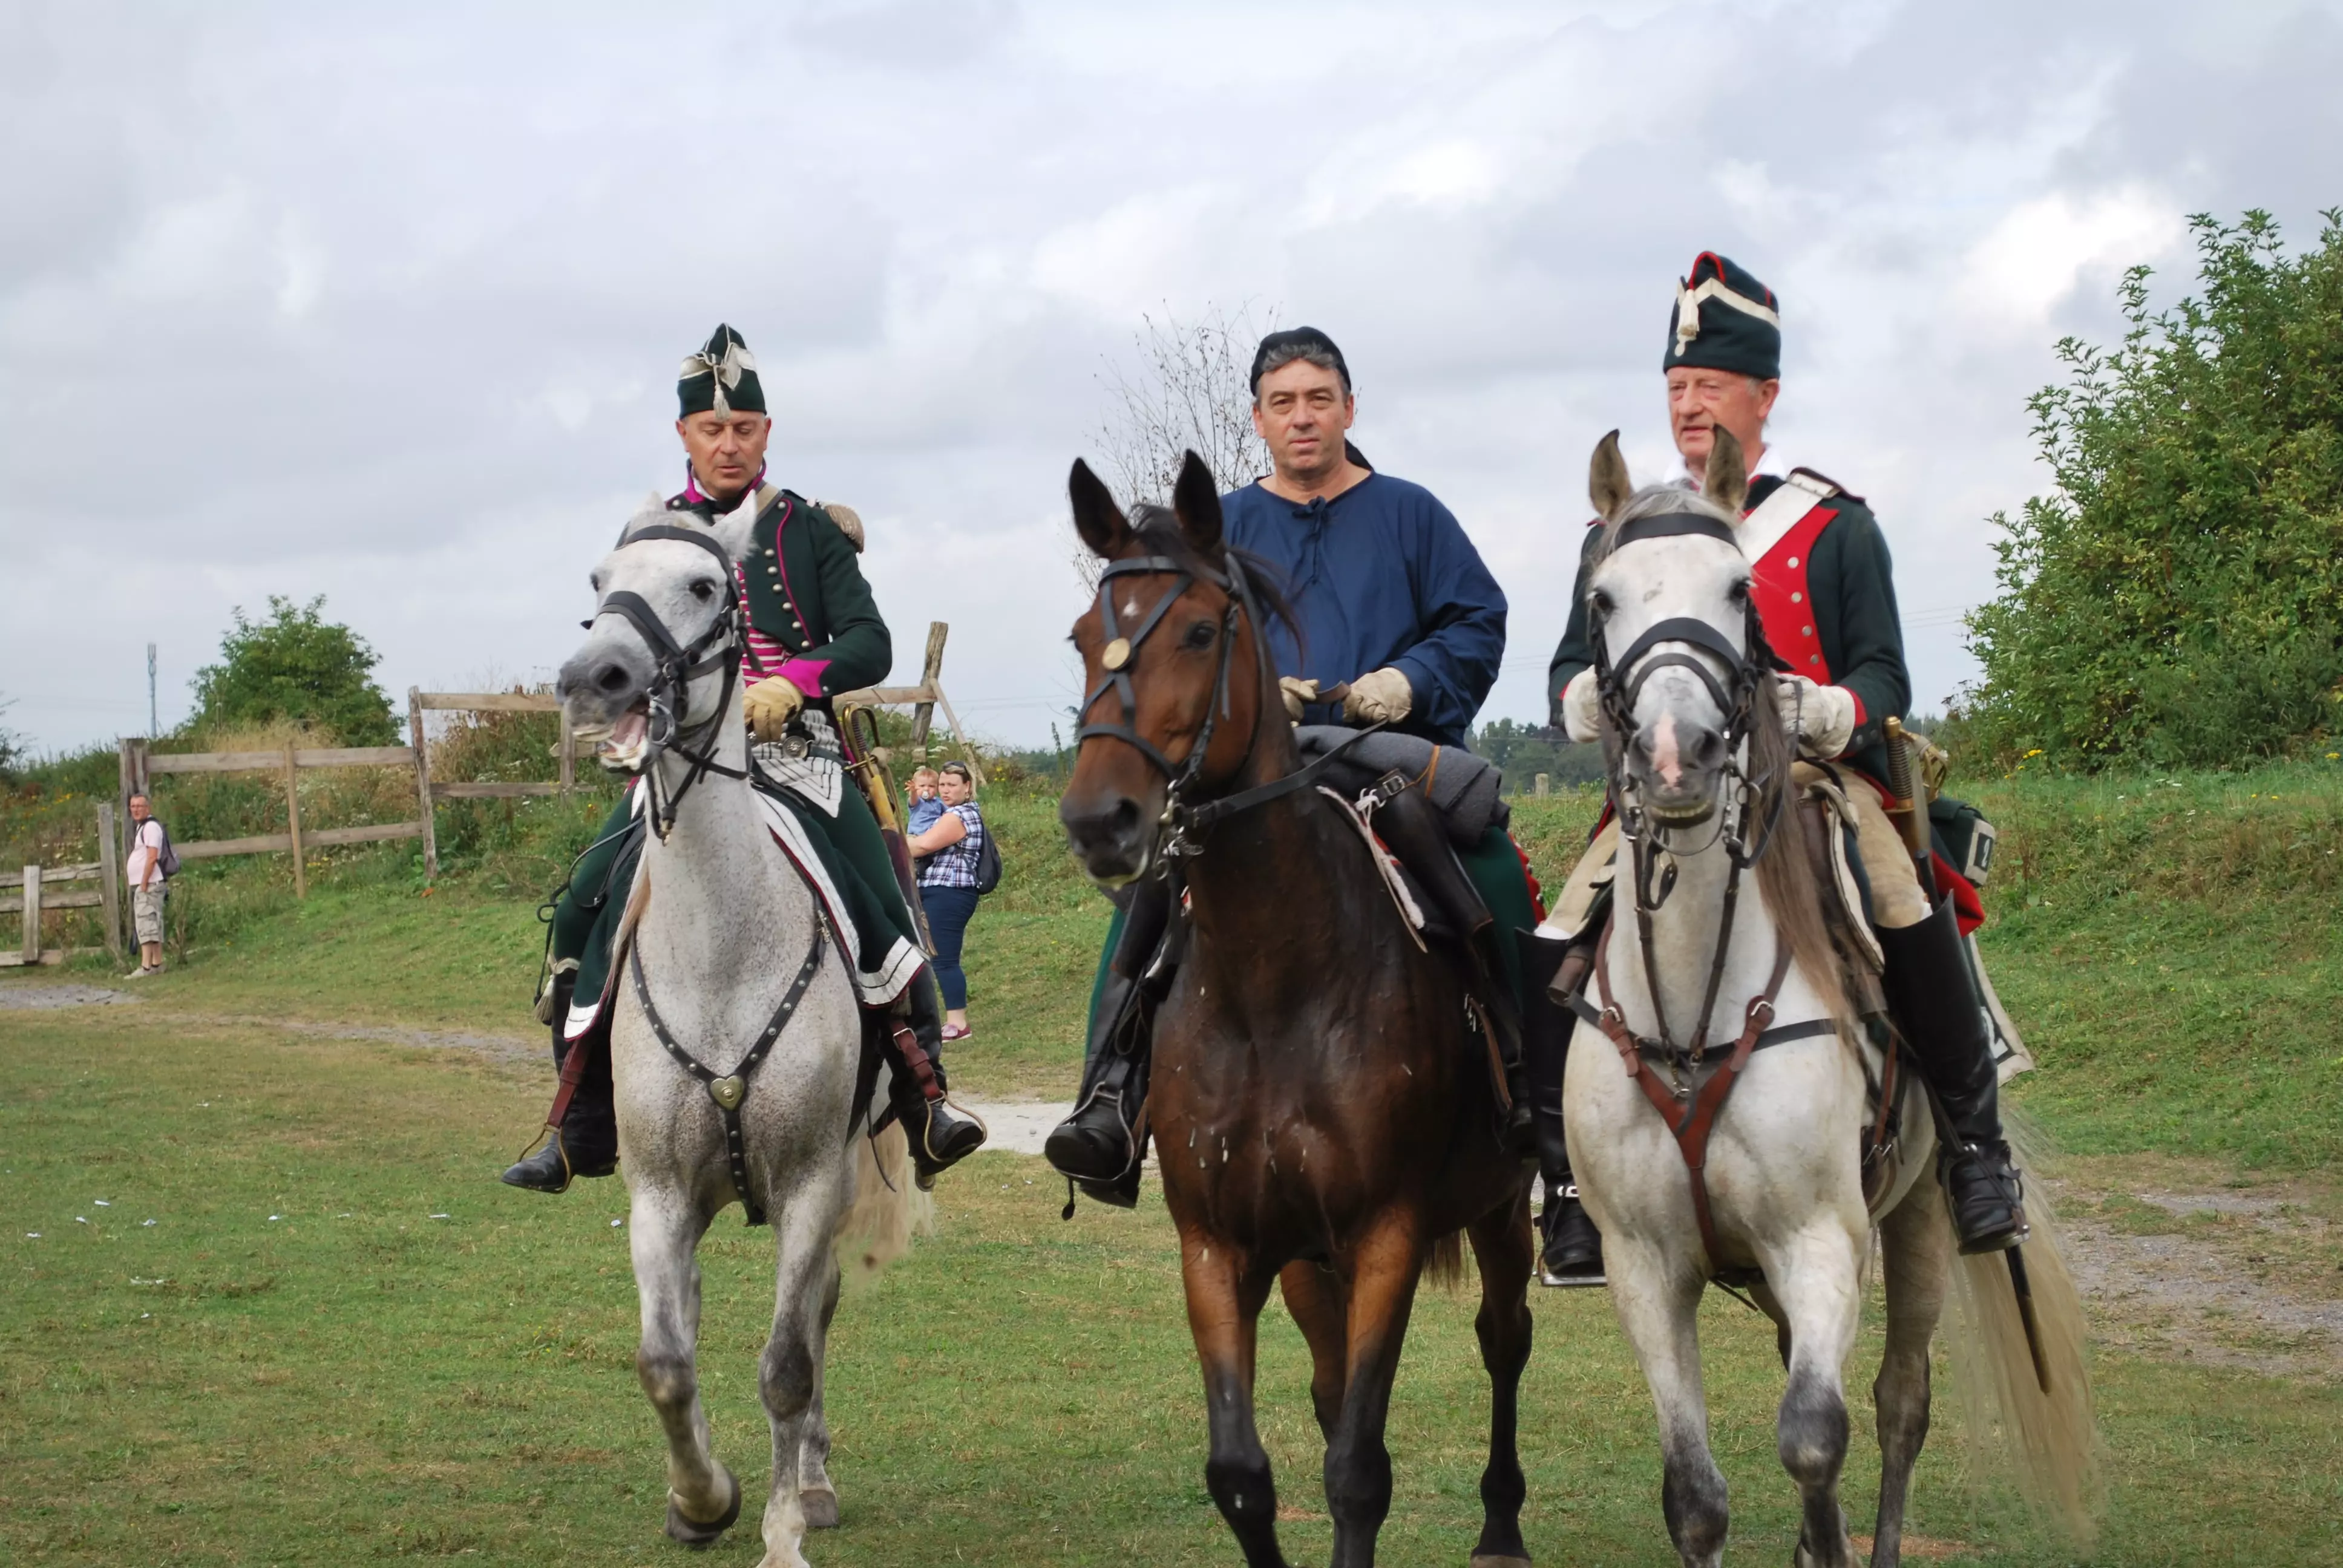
column 1581, row 707
column 1821, row 717
column 770, row 704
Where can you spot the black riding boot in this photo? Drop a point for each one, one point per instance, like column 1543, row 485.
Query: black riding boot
column 941, row 1137
column 1097, row 1147
column 1410, row 827
column 1570, row 1253
column 586, row 1141
column 1934, row 998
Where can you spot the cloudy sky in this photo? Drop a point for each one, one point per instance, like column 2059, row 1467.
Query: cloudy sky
column 385, row 303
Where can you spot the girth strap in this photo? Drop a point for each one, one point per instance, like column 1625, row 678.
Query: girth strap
column 1691, row 1117
column 728, row 1090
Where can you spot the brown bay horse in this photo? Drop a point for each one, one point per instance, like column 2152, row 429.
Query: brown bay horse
column 1321, row 1103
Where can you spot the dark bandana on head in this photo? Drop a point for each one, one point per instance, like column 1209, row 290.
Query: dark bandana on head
column 721, row 378
column 1724, row 320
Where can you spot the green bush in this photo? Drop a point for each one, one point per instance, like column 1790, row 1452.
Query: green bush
column 298, row 666
column 2177, row 600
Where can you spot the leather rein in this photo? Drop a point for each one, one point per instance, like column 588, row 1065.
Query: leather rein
column 1694, row 1091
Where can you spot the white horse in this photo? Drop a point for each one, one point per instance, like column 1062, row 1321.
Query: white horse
column 723, row 930
column 1698, row 753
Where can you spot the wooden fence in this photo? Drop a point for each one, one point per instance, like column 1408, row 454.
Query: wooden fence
column 922, row 699
column 34, row 898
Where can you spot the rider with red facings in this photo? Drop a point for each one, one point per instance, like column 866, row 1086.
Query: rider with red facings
column 1825, row 593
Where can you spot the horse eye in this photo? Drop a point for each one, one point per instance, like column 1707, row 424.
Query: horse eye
column 1601, row 602
column 703, row 590
column 1739, row 592
column 594, row 580
column 1200, row 635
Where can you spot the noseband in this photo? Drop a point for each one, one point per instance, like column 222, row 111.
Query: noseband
column 674, row 666
column 1619, row 684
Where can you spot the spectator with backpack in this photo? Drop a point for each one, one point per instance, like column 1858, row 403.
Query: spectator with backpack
column 958, row 864
column 150, row 865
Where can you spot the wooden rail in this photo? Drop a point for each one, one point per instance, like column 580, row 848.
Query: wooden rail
column 34, row 898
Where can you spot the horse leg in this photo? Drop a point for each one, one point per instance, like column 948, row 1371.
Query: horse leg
column 789, row 1376
column 664, row 1227
column 1656, row 1298
column 1313, row 1294
column 1224, row 1303
column 1815, row 1277
column 1384, row 1267
column 1915, row 1243
column 814, row 1488
column 1502, row 1247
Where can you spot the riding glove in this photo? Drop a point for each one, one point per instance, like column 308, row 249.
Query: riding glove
column 1822, row 717
column 771, row 703
column 1380, row 696
column 1581, row 707
column 1298, row 695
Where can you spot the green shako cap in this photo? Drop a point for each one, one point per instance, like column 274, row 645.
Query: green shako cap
column 1724, row 320
column 722, row 378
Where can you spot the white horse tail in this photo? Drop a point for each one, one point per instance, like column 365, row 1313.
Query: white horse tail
column 2050, row 1438
column 888, row 1209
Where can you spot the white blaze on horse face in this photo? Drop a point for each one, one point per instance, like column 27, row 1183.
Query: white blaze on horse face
column 1664, row 750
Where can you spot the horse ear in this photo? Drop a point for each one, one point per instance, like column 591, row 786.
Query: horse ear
column 736, row 528
column 1196, row 502
column 1607, row 484
column 1728, row 471
column 1099, row 521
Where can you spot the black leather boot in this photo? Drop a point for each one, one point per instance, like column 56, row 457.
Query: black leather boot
column 1571, row 1249
column 940, row 1136
column 1096, row 1147
column 1409, row 826
column 1933, row 998
column 586, row 1141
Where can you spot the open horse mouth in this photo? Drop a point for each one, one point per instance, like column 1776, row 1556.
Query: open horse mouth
column 620, row 746
column 1686, row 813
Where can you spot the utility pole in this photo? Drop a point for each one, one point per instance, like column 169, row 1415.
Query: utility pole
column 151, row 726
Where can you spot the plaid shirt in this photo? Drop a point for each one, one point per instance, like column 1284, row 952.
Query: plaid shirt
column 954, row 865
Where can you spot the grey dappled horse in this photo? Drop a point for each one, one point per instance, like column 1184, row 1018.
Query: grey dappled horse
column 1784, row 1172
column 721, row 922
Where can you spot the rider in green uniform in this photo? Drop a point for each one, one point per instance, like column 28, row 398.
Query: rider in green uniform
column 813, row 630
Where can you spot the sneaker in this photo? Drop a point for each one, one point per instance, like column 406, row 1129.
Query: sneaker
column 141, row 972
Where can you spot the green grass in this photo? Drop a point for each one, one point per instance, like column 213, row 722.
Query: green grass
column 358, row 1379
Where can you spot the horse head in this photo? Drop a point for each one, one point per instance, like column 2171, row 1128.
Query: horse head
column 1175, row 677
column 644, row 673
column 1681, row 658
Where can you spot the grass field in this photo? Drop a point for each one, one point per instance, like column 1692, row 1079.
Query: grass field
column 341, row 1340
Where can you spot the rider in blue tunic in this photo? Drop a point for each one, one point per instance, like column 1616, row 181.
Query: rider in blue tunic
column 1400, row 625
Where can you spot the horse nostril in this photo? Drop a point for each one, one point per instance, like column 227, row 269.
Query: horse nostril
column 612, row 678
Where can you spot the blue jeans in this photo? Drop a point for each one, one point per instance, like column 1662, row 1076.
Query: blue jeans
column 948, row 911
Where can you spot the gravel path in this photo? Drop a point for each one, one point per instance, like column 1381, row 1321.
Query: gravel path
column 43, row 996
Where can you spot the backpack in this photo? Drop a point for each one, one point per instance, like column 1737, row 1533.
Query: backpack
column 988, row 863
column 166, row 859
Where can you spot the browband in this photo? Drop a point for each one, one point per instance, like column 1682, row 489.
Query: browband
column 1669, row 525
column 700, row 537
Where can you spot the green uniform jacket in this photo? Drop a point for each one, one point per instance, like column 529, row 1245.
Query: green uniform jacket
column 1850, row 590
column 806, row 594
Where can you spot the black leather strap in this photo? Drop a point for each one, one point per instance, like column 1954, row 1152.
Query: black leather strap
column 733, row 1087
column 1673, row 525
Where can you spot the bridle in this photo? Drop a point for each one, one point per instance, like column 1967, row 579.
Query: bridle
column 1619, row 684
column 674, row 666
column 1179, row 831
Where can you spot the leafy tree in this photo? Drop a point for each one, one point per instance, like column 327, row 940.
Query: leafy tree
column 13, row 753
column 2177, row 600
column 1525, row 750
column 300, row 666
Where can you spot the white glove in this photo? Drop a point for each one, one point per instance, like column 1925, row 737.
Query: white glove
column 1298, row 695
column 1581, row 709
column 771, row 703
column 1380, row 696
column 1822, row 718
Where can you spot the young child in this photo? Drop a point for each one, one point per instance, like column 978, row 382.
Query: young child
column 925, row 805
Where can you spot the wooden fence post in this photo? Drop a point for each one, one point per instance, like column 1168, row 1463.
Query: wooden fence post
column 1542, row 781
column 924, row 714
column 423, row 781
column 32, row 914
column 110, row 880
column 293, row 820
column 568, row 755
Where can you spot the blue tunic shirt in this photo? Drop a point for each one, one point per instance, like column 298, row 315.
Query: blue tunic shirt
column 1381, row 574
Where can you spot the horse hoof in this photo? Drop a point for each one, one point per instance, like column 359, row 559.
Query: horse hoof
column 690, row 1532
column 820, row 1506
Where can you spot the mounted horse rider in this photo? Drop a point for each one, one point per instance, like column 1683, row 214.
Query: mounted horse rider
column 812, row 631
column 1826, row 596
column 1401, row 626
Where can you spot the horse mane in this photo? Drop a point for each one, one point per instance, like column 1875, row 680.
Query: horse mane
column 1784, row 875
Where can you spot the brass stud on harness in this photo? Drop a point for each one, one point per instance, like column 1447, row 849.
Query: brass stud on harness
column 1116, row 654
column 729, row 1092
